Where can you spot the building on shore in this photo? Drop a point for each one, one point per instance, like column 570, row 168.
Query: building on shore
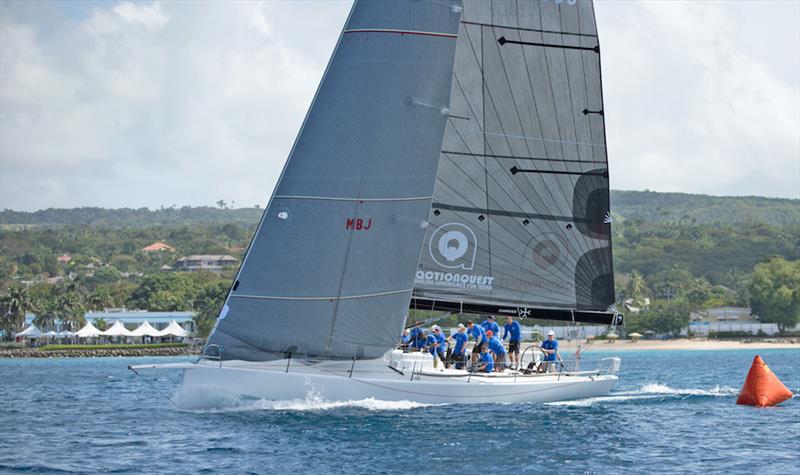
column 158, row 246
column 205, row 262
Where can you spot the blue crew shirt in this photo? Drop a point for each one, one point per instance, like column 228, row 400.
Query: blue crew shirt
column 487, row 325
column 418, row 342
column 415, row 334
column 405, row 339
column 550, row 345
column 489, row 361
column 430, row 343
column 461, row 342
column 477, row 332
column 496, row 346
column 442, row 341
column 513, row 330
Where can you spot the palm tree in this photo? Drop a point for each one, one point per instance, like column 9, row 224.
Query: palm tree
column 636, row 287
column 71, row 311
column 46, row 312
column 13, row 307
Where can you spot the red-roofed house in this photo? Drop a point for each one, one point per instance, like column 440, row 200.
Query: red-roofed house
column 158, row 247
column 63, row 259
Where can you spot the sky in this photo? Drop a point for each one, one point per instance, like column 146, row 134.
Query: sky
column 150, row 104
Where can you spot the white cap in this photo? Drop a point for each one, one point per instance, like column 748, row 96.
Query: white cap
column 461, row 325
column 551, row 333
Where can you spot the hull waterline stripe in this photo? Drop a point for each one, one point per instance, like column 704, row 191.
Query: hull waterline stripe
column 343, row 297
column 336, row 198
column 402, row 32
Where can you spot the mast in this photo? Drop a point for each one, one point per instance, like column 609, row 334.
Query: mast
column 520, row 219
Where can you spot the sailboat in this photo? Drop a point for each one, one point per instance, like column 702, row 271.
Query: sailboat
column 453, row 160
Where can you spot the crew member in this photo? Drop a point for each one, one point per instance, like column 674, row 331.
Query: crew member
column 435, row 344
column 513, row 331
column 490, row 324
column 486, row 364
column 550, row 349
column 497, row 349
column 417, row 342
column 460, row 337
column 420, row 342
column 478, row 333
column 405, row 339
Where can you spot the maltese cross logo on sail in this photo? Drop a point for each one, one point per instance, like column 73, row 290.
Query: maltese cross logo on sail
column 454, row 246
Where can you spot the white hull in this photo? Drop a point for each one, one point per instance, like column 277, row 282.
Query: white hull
column 382, row 379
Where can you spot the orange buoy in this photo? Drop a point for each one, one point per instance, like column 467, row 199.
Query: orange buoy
column 762, row 388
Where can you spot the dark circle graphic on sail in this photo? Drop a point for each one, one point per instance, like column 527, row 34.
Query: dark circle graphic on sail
column 546, row 251
column 453, row 246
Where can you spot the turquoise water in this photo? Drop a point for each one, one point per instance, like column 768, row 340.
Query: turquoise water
column 672, row 412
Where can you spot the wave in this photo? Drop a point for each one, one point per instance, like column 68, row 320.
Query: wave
column 651, row 391
column 221, row 401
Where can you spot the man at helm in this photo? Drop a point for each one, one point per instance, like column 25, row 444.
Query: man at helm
column 550, row 350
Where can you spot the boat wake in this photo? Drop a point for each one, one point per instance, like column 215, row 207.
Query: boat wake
column 218, row 401
column 654, row 391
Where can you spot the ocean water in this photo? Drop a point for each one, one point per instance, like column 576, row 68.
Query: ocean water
column 672, row 412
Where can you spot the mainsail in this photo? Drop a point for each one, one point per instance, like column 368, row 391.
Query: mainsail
column 520, row 221
column 330, row 270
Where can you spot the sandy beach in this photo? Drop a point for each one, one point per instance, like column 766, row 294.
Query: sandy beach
column 683, row 344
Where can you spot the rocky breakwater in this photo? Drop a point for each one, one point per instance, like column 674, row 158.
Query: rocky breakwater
column 96, row 352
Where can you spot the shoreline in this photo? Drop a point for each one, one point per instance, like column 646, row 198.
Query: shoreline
column 682, row 344
column 33, row 353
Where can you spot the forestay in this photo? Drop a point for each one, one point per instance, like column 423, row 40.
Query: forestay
column 520, row 221
column 330, row 271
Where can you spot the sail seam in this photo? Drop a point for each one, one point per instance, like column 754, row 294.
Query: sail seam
column 507, row 27
column 402, row 32
column 513, row 157
column 336, row 198
column 343, row 297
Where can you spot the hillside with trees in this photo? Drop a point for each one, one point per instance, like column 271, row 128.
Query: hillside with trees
column 681, row 253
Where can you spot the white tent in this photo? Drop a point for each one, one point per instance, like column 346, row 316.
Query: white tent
column 117, row 329
column 64, row 334
column 88, row 331
column 145, row 329
column 50, row 334
column 173, row 329
column 30, row 332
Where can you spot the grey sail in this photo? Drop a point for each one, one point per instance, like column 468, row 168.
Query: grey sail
column 330, row 270
column 520, row 218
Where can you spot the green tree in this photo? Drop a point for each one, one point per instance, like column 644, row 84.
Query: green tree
column 14, row 304
column 106, row 275
column 100, row 324
column 209, row 303
column 636, row 288
column 166, row 292
column 775, row 292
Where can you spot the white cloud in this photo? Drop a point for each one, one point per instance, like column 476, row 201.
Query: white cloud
column 144, row 104
column 149, row 16
column 151, row 104
column 692, row 107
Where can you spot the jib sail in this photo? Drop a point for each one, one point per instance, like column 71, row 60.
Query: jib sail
column 330, row 270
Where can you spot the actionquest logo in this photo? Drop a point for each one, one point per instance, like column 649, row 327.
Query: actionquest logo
column 454, row 246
